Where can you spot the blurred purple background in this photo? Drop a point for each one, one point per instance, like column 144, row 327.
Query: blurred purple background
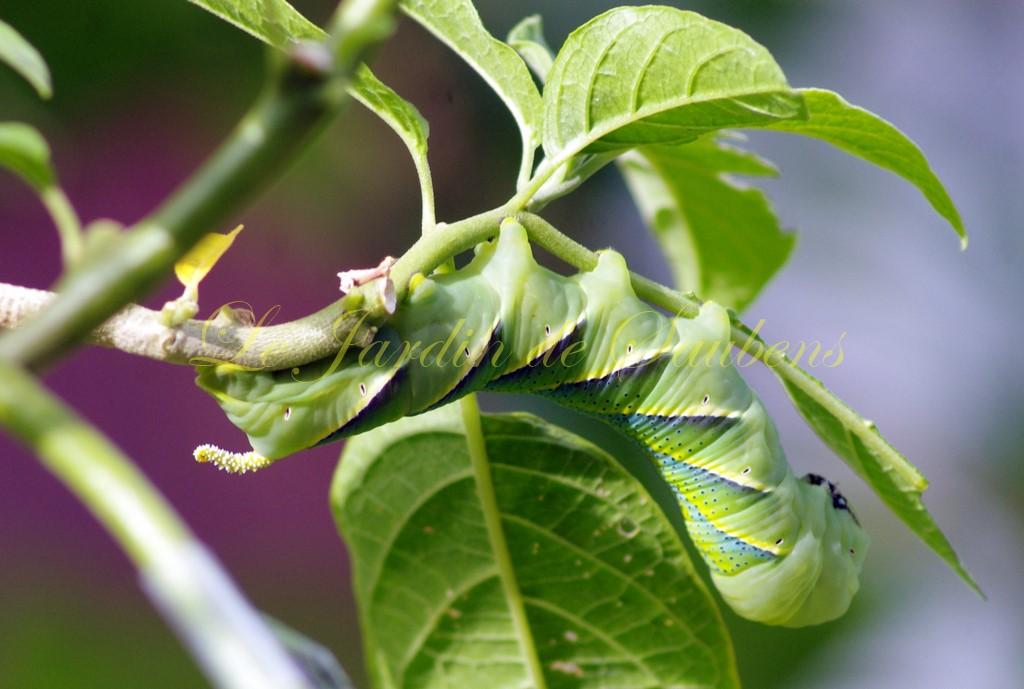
column 145, row 90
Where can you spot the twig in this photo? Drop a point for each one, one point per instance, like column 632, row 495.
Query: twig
column 280, row 125
column 139, row 331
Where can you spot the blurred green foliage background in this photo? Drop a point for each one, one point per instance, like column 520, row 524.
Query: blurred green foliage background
column 145, row 90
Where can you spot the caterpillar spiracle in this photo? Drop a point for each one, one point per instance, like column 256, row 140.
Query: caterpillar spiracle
column 781, row 549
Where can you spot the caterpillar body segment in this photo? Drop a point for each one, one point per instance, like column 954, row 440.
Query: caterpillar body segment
column 781, row 549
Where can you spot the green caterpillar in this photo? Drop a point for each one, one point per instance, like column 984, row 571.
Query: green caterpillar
column 782, row 550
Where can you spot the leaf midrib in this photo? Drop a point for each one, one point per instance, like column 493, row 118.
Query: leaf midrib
column 574, row 145
column 477, row 447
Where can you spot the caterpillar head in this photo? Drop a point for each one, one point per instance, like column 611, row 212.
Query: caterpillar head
column 841, row 548
column 816, row 580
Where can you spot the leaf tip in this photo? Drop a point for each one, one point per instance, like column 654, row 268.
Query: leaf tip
column 969, row 580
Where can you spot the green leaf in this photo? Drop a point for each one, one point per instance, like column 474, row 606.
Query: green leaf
column 722, row 241
column 398, row 113
column 857, row 441
column 24, row 151
column 647, row 75
column 527, row 38
column 864, row 134
column 896, row 481
column 457, row 24
column 24, row 59
column 405, row 120
column 272, row 21
column 610, row 598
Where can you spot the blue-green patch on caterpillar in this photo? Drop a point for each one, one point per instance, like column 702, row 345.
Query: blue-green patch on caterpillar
column 781, row 550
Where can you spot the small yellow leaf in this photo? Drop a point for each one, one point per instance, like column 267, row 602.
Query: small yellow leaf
column 194, row 265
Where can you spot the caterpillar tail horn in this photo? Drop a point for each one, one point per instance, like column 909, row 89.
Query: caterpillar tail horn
column 231, row 462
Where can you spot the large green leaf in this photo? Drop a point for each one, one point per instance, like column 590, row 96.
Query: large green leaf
column 864, row 134
column 24, row 151
column 24, row 59
column 721, row 240
column 616, row 84
column 457, row 23
column 596, row 590
column 646, row 75
column 857, row 441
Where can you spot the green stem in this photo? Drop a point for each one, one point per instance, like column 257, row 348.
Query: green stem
column 546, row 235
column 185, row 582
column 141, row 331
column 525, row 195
column 429, row 219
column 526, row 164
column 748, row 341
column 496, row 534
column 269, row 137
column 68, row 226
column 323, row 333
column 435, row 247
